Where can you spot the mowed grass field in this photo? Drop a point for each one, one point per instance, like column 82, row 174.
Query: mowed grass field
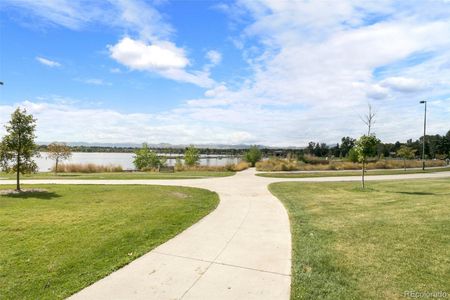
column 121, row 175
column 308, row 174
column 57, row 242
column 377, row 243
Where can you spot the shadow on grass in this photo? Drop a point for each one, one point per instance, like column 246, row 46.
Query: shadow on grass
column 416, row 193
column 44, row 195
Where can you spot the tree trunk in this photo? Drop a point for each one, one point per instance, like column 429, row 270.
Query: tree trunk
column 363, row 171
column 404, row 163
column 18, row 173
column 56, row 166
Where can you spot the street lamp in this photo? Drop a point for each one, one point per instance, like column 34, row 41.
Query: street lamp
column 424, row 133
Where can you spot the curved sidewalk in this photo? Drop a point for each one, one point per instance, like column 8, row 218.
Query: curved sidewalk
column 241, row 250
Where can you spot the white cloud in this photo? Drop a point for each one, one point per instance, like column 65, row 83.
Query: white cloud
column 138, row 55
column 135, row 16
column 403, row 84
column 71, row 123
column 218, row 91
column 163, row 58
column 376, row 91
column 215, row 57
column 141, row 17
column 70, row 14
column 48, row 62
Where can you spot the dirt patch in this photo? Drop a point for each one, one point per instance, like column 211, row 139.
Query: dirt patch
column 180, row 195
column 23, row 191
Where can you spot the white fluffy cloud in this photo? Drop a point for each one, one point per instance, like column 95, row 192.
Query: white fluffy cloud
column 161, row 57
column 138, row 55
column 48, row 62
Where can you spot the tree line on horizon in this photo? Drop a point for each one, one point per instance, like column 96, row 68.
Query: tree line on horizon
column 436, row 147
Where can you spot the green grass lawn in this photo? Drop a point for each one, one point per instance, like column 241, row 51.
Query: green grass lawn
column 377, row 243
column 122, row 175
column 54, row 244
column 349, row 173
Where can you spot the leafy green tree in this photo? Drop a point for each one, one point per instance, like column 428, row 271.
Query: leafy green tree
column 18, row 147
column 145, row 158
column 191, row 156
column 253, row 155
column 58, row 152
column 347, row 144
column 310, row 148
column 365, row 147
column 406, row 152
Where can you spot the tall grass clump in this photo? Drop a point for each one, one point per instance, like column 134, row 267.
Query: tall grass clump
column 180, row 167
column 277, row 164
column 87, row 168
column 240, row 166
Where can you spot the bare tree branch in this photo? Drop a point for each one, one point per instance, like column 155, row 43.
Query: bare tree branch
column 369, row 119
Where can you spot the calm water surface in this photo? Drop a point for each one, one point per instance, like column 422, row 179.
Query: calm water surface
column 125, row 160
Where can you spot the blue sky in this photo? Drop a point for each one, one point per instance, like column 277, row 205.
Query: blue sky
column 267, row 72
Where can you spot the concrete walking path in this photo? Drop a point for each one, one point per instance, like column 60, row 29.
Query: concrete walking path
column 241, row 250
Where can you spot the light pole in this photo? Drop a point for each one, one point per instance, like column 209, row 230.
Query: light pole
column 424, row 133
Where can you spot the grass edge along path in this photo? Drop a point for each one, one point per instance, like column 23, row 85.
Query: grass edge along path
column 55, row 243
column 377, row 243
column 342, row 173
column 121, row 175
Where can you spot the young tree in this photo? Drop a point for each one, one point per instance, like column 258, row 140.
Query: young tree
column 191, row 156
column 365, row 147
column 146, row 158
column 58, row 152
column 406, row 152
column 253, row 155
column 17, row 146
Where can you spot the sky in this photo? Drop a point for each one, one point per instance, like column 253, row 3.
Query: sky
column 268, row 72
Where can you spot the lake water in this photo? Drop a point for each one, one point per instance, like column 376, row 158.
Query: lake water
column 126, row 160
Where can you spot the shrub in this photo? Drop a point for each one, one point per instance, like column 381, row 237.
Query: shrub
column 147, row 159
column 253, row 155
column 191, row 156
